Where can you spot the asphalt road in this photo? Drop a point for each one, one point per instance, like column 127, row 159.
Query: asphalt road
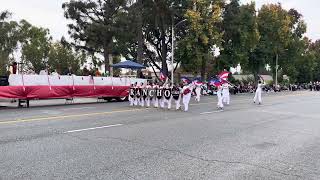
column 277, row 140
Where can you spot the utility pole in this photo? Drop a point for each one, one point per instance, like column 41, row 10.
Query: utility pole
column 172, row 48
column 276, row 80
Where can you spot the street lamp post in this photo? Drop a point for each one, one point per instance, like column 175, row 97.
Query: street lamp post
column 172, row 53
column 172, row 47
column 277, row 57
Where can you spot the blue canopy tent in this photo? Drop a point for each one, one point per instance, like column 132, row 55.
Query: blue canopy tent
column 128, row 65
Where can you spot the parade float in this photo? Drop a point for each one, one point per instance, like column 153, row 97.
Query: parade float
column 30, row 87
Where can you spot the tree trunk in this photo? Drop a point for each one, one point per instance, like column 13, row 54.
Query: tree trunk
column 4, row 63
column 110, row 63
column 164, row 51
column 256, row 77
column 106, row 53
column 203, row 67
column 140, row 36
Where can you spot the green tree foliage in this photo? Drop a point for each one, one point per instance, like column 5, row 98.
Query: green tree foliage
column 306, row 66
column 274, row 24
column 62, row 57
column 231, row 35
column 241, row 38
column 9, row 38
column 297, row 45
column 96, row 25
column 315, row 51
column 35, row 46
column 204, row 17
column 159, row 17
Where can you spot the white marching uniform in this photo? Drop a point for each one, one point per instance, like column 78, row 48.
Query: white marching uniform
column 186, row 96
column 225, row 93
column 257, row 95
column 178, row 101
column 165, row 101
column 137, row 99
column 148, row 99
column 219, row 95
column 198, row 93
column 131, row 99
column 141, row 97
column 155, row 99
column 161, row 101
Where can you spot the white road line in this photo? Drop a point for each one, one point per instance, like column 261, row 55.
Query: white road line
column 210, row 112
column 101, row 127
column 66, row 109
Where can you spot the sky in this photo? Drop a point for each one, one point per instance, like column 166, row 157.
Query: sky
column 49, row 14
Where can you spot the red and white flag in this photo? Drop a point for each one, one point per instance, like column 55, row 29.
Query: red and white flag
column 224, row 75
column 163, row 77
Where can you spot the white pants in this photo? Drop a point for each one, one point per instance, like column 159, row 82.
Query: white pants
column 167, row 102
column 155, row 102
column 257, row 96
column 142, row 102
column 178, row 105
column 161, row 102
column 136, row 101
column 185, row 100
column 148, row 100
column 220, row 103
column 198, row 92
column 226, row 97
column 131, row 100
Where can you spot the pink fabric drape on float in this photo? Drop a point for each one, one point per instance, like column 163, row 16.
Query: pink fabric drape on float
column 50, row 87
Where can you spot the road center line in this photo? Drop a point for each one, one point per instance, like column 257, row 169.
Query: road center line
column 67, row 116
column 88, row 129
column 210, row 112
column 80, row 108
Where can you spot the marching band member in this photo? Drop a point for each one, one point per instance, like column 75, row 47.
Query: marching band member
column 198, row 92
column 135, row 94
column 131, row 95
column 160, row 95
column 226, row 93
column 167, row 98
column 148, row 97
column 176, row 95
column 258, row 93
column 142, row 95
column 138, row 94
column 186, row 90
column 219, row 95
column 155, row 98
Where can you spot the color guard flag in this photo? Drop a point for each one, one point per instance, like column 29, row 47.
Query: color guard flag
column 216, row 82
column 185, row 80
column 197, row 81
column 224, row 75
column 163, row 77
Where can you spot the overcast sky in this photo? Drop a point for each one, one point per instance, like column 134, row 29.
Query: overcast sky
column 49, row 14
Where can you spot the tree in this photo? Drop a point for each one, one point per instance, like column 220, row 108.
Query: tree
column 9, row 38
column 231, row 44
column 62, row 57
column 315, row 50
column 96, row 25
column 275, row 31
column 241, row 38
column 36, row 44
column 297, row 45
column 159, row 17
column 203, row 34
